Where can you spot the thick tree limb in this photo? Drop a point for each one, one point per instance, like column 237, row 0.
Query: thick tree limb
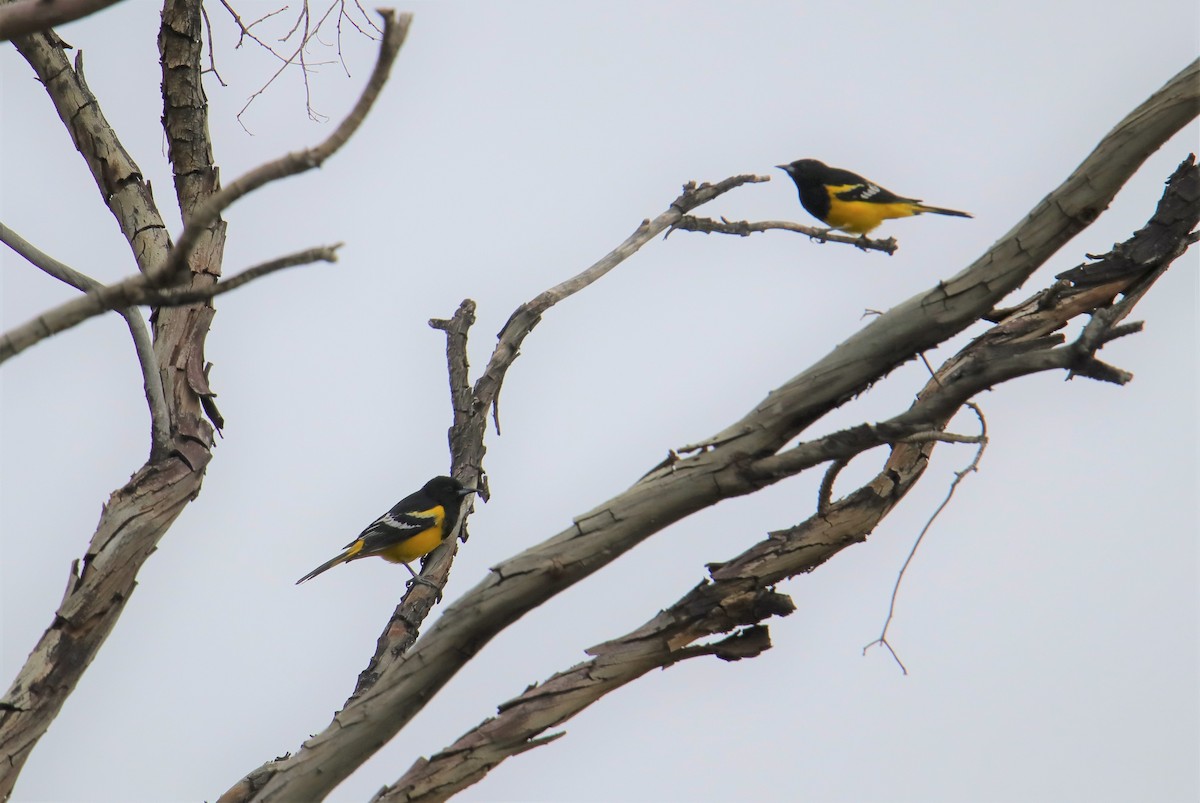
column 138, row 514
column 119, row 180
column 663, row 497
column 929, row 318
column 28, row 16
column 739, row 595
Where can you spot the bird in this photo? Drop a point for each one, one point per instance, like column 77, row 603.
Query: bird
column 411, row 529
column 848, row 202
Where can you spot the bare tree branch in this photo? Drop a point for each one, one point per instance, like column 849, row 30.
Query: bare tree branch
column 739, row 596
column 160, row 425
column 119, row 180
column 245, row 32
column 362, row 725
column 177, row 296
column 138, row 514
column 212, row 53
column 299, row 55
column 735, row 461
column 206, row 214
column 529, row 314
column 29, row 16
column 744, row 228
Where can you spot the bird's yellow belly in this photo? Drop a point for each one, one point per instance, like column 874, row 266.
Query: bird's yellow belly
column 419, row 545
column 859, row 217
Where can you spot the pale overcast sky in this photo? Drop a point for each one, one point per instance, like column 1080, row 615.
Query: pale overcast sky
column 1050, row 620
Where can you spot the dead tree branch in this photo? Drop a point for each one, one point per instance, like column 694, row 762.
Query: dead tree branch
column 366, row 721
column 744, row 228
column 119, row 180
column 207, row 213
column 30, row 16
column 738, row 598
column 298, row 57
column 160, row 425
column 736, row 461
column 139, row 514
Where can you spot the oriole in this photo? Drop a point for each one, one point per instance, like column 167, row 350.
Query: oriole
column 410, row 530
column 847, row 201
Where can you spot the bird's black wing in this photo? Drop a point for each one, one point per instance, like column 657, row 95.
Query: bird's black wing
column 858, row 188
column 411, row 515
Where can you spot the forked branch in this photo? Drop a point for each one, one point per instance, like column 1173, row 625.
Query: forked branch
column 367, row 719
column 739, row 460
column 739, row 597
column 170, row 270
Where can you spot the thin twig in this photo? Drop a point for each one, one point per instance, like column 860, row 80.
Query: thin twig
column 959, row 476
column 299, row 56
column 244, row 31
column 212, row 53
column 367, row 17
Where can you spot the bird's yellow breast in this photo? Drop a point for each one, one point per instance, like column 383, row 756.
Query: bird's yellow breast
column 421, row 543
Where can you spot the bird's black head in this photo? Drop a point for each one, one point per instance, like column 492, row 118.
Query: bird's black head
column 804, row 168
column 446, row 490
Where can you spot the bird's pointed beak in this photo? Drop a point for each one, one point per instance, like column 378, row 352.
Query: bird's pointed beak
column 784, row 168
column 466, row 491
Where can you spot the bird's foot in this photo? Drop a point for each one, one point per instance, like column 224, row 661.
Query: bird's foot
column 418, row 580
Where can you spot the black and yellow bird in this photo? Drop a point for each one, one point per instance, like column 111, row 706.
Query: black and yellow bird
column 410, row 530
column 848, row 202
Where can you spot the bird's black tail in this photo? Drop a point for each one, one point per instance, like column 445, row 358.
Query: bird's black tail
column 342, row 558
column 937, row 210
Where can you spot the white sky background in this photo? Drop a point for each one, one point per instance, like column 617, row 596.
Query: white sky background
column 1050, row 620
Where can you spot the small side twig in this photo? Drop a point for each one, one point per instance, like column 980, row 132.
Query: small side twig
column 212, row 53
column 959, row 476
column 825, row 493
column 244, row 30
column 299, row 55
column 176, row 296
